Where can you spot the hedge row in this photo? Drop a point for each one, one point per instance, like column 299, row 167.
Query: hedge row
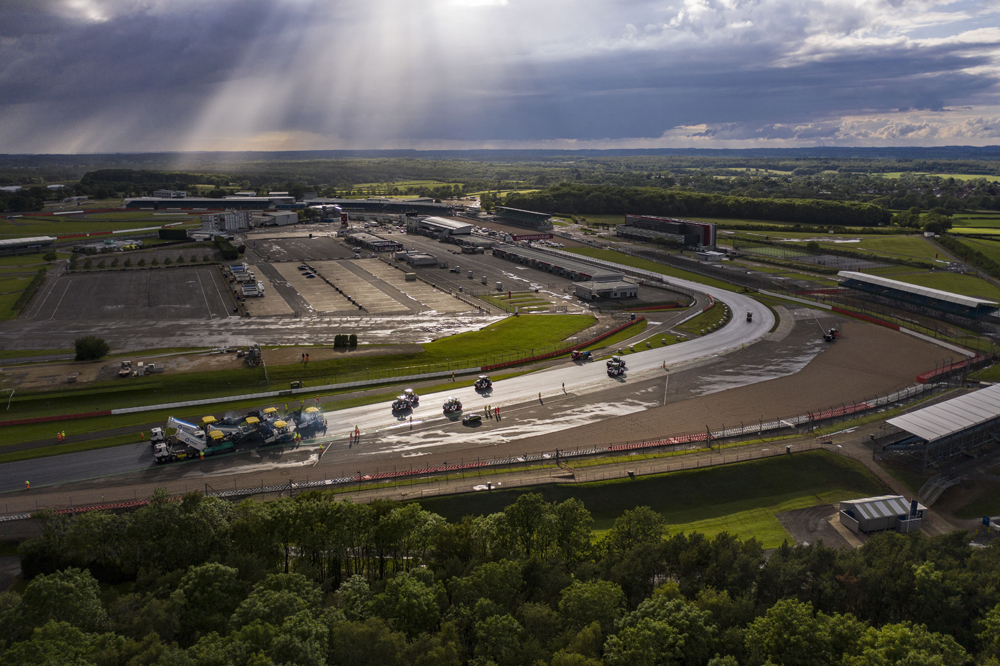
column 227, row 249
column 970, row 255
column 30, row 290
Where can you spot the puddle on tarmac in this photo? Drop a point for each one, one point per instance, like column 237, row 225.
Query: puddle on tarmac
column 507, row 430
column 784, row 362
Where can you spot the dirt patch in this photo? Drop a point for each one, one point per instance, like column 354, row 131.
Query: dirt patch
column 809, row 526
column 290, row 355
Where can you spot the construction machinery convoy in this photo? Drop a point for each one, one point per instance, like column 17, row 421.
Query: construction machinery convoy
column 181, row 440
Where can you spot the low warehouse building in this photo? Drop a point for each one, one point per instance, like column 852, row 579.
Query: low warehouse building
column 438, row 227
column 877, row 514
column 420, row 259
column 612, row 288
column 373, row 242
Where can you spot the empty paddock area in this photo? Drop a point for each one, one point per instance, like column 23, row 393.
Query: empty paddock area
column 160, row 294
column 366, row 289
column 433, row 299
column 320, row 296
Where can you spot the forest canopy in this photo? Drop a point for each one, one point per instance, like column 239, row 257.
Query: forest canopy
column 310, row 580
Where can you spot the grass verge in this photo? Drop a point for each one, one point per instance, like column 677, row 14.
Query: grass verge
column 510, row 339
column 742, row 499
column 702, row 323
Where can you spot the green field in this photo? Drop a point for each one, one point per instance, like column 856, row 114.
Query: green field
column 905, row 247
column 510, row 339
column 976, row 220
column 967, row 285
column 34, row 260
column 742, row 499
column 601, row 219
column 987, row 504
column 612, row 340
column 978, row 231
column 65, row 227
column 711, row 317
column 989, row 248
column 956, row 176
column 645, row 264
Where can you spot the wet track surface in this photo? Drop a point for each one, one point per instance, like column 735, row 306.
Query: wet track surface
column 589, row 396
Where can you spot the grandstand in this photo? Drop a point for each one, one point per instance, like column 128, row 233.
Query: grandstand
column 32, row 244
column 880, row 287
column 965, row 427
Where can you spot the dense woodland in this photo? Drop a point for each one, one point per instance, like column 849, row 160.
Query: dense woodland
column 309, row 580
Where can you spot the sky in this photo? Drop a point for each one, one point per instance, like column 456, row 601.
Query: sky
column 97, row 76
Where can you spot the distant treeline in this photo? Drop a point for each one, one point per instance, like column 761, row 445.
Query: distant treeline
column 599, row 199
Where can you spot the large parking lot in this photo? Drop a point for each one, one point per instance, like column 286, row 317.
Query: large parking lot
column 513, row 277
column 297, row 246
column 159, row 294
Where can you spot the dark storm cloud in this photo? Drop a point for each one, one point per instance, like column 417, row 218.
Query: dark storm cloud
column 134, row 74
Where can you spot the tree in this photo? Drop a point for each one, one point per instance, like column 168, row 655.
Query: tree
column 936, row 223
column 408, row 605
column 91, row 348
column 499, row 639
column 909, row 645
column 352, row 341
column 50, row 256
column 206, row 598
column 70, row 596
column 689, row 640
column 364, row 644
column 596, row 601
column 789, row 634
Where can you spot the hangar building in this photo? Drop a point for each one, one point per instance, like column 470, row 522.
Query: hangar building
column 438, row 227
column 877, row 514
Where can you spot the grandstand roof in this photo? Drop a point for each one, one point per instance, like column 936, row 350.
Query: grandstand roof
column 9, row 243
column 952, row 416
column 446, row 225
column 926, row 292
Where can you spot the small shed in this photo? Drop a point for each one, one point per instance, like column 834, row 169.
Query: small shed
column 710, row 255
column 877, row 514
